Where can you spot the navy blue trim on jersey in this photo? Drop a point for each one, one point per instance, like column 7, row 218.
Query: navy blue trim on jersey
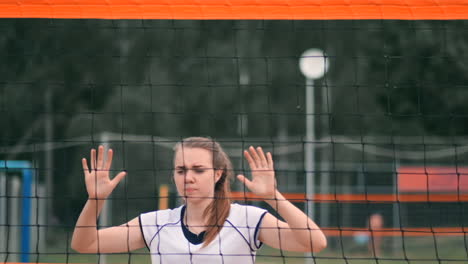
column 191, row 237
column 256, row 231
column 141, row 229
column 240, row 233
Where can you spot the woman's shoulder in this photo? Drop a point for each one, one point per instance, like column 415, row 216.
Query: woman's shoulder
column 162, row 216
column 245, row 207
column 244, row 212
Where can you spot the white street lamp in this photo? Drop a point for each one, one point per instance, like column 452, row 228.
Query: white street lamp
column 313, row 65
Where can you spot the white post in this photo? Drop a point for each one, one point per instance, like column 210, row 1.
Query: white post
column 325, row 165
column 14, row 233
column 38, row 218
column 313, row 66
column 309, row 153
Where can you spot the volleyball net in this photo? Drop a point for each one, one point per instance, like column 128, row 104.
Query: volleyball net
column 362, row 104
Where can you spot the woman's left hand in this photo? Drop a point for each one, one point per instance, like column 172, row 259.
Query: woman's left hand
column 263, row 181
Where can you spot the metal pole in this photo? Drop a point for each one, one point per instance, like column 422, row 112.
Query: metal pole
column 309, row 153
column 14, row 231
column 313, row 66
column 309, row 148
column 325, row 166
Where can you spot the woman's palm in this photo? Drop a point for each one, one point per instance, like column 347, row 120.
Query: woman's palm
column 263, row 181
column 98, row 183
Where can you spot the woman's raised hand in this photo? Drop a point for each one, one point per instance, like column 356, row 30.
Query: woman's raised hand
column 263, row 181
column 98, row 183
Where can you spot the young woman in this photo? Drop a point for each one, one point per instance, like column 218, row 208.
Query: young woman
column 208, row 228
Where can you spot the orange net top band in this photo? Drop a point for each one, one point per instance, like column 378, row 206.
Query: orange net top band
column 237, row 9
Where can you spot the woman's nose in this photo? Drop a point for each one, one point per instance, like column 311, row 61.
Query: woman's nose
column 189, row 177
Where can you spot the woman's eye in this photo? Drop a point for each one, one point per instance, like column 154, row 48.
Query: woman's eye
column 199, row 171
column 180, row 172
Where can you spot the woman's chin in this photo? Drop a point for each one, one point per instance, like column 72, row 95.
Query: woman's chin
column 192, row 198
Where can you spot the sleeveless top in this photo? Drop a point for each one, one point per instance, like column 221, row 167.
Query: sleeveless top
column 169, row 241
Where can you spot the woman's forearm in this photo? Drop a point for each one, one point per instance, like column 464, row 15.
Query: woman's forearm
column 85, row 234
column 306, row 231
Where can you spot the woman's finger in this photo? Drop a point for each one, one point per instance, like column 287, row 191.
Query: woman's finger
column 255, row 157
column 93, row 159
column 262, row 157
column 110, row 155
column 249, row 159
column 100, row 158
column 270, row 160
column 85, row 165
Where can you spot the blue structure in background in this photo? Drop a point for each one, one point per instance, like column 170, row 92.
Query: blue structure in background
column 27, row 183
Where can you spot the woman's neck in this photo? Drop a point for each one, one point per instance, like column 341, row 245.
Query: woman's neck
column 194, row 213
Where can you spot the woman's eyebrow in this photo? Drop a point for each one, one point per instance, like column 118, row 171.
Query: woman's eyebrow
column 194, row 166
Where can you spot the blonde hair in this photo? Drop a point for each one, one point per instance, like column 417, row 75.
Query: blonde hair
column 218, row 210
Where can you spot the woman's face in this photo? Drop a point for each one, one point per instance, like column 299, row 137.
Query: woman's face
column 194, row 173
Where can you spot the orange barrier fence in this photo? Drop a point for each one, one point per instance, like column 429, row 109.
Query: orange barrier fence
column 237, row 9
column 395, row 232
column 361, row 198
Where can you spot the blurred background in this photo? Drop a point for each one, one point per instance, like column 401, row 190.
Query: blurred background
column 393, row 96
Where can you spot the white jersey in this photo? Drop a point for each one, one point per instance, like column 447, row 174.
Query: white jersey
column 168, row 241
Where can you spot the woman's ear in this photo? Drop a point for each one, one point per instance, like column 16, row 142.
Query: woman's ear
column 218, row 174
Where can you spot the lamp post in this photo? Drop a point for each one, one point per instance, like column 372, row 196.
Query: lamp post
column 313, row 65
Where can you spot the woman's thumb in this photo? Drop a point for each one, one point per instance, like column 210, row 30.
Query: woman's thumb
column 118, row 178
column 245, row 181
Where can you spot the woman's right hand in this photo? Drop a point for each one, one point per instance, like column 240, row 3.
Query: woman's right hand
column 98, row 184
